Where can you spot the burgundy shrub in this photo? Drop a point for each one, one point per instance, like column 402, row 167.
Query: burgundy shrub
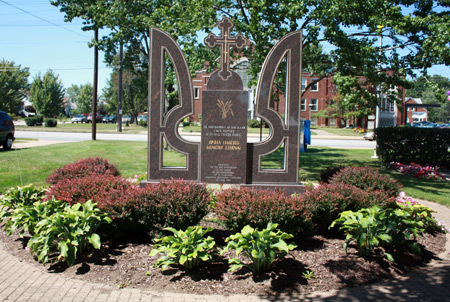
column 240, row 207
column 83, row 168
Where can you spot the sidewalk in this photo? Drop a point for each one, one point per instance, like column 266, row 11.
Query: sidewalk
column 21, row 281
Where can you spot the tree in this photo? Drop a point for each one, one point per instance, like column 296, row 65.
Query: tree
column 340, row 36
column 47, row 94
column 425, row 88
column 13, row 86
column 84, row 100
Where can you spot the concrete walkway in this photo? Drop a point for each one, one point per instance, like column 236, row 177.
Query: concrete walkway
column 20, row 281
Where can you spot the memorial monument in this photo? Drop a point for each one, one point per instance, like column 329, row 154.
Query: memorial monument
column 224, row 156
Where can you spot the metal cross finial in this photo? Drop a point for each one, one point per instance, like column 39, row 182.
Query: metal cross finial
column 226, row 43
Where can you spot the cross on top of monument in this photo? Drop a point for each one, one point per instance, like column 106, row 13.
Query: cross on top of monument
column 226, row 43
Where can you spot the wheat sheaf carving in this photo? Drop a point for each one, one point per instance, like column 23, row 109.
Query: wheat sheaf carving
column 225, row 107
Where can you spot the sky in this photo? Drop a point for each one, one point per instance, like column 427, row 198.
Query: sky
column 33, row 34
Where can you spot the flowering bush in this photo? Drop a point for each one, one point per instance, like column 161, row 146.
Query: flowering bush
column 240, row 207
column 421, row 213
column 416, row 170
column 83, row 168
column 328, row 201
column 367, row 179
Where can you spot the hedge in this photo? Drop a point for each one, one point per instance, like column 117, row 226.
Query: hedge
column 424, row 146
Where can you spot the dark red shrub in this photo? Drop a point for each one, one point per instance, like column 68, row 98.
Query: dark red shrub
column 83, row 168
column 105, row 190
column 327, row 201
column 179, row 204
column 240, row 207
column 367, row 179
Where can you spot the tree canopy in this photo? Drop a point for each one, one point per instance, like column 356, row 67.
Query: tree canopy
column 341, row 37
column 13, row 86
column 47, row 94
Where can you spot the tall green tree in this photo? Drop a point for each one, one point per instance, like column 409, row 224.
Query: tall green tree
column 47, row 94
column 84, row 100
column 341, row 37
column 431, row 90
column 13, row 86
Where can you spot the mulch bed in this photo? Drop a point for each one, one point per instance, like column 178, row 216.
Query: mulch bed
column 128, row 265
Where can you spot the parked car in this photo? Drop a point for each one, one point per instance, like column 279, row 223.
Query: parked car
column 99, row 118
column 424, row 124
column 79, row 118
column 445, row 126
column 142, row 117
column 110, row 119
column 127, row 119
column 6, row 131
column 370, row 136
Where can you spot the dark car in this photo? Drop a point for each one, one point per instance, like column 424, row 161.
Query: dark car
column 110, row 119
column 6, row 131
column 99, row 118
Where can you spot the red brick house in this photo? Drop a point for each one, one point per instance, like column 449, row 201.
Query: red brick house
column 415, row 114
column 318, row 97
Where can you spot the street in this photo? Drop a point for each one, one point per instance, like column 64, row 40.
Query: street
column 316, row 140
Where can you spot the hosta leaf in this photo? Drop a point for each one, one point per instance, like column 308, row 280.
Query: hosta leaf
column 94, row 239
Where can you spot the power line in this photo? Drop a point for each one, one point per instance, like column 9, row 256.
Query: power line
column 42, row 19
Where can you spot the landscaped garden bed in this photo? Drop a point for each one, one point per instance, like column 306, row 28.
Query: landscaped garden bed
column 134, row 222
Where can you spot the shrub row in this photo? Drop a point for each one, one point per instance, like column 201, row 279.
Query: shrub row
column 424, row 146
column 34, row 120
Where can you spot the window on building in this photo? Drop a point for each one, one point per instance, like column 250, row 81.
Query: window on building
column 314, row 86
column 196, row 92
column 303, row 105
column 304, row 84
column 313, row 104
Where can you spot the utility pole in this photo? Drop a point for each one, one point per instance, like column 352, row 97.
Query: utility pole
column 377, row 112
column 94, row 94
column 120, row 96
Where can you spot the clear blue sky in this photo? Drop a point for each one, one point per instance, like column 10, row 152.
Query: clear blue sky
column 51, row 44
column 44, row 41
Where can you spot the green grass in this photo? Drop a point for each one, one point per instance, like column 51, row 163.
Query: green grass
column 340, row 131
column 84, row 128
column 36, row 164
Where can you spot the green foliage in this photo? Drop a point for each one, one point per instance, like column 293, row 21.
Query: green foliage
column 308, row 275
column 414, row 145
column 187, row 248
column 374, row 227
column 13, row 86
column 67, row 232
column 47, row 94
column 253, row 123
column 51, row 122
column 22, row 196
column 142, row 123
column 34, row 120
column 326, row 174
column 423, row 214
column 260, row 247
column 25, row 217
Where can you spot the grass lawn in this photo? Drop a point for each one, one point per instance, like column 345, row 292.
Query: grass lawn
column 84, row 128
column 35, row 164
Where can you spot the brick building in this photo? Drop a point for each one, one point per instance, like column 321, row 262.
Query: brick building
column 317, row 97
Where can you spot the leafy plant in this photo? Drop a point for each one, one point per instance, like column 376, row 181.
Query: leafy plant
column 367, row 179
column 308, row 275
column 373, row 227
column 260, row 247
column 68, row 232
column 187, row 248
column 25, row 218
column 83, row 168
column 240, row 207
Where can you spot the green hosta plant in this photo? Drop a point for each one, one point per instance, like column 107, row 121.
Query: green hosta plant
column 68, row 232
column 19, row 197
column 260, row 247
column 374, row 227
column 26, row 217
column 187, row 248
